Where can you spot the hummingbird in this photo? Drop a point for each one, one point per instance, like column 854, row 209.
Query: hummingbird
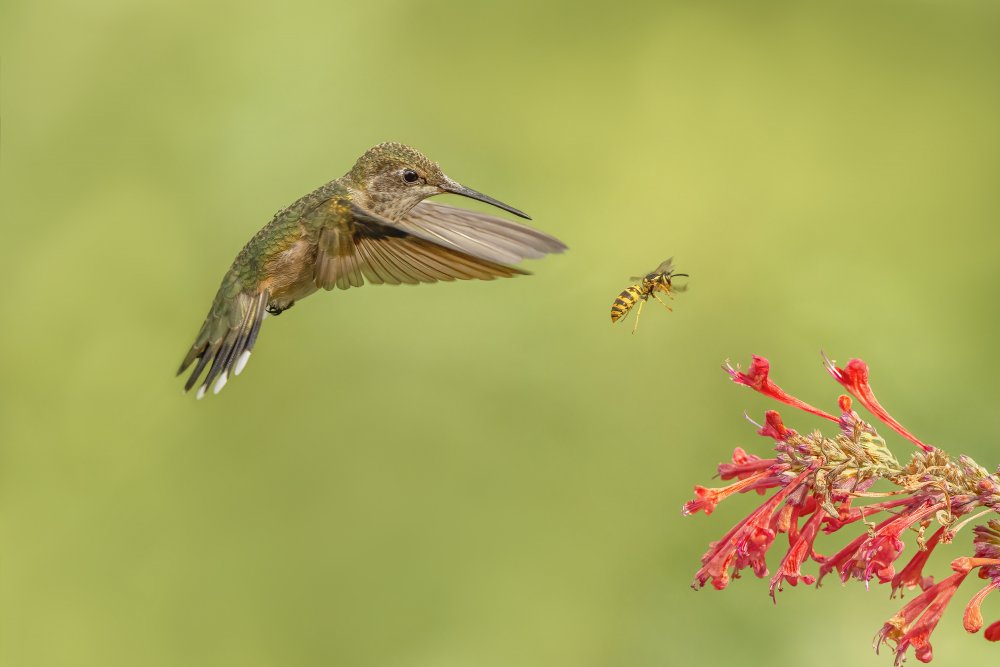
column 370, row 225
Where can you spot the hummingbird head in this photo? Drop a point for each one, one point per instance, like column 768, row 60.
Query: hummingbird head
column 392, row 178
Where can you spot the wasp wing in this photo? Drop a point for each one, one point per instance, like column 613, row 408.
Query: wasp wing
column 666, row 266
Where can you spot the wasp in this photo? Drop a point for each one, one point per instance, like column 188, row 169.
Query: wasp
column 658, row 280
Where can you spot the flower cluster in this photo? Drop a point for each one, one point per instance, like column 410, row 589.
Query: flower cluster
column 822, row 484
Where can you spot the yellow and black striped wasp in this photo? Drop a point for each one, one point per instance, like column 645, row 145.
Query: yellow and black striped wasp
column 658, row 280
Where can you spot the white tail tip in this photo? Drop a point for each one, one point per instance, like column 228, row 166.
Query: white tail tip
column 220, row 383
column 201, row 392
column 241, row 362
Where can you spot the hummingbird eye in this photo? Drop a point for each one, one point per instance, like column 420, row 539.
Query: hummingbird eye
column 410, row 176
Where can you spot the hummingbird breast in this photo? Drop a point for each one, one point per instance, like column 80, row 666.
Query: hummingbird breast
column 290, row 273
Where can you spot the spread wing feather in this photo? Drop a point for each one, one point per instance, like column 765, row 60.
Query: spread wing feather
column 478, row 234
column 376, row 249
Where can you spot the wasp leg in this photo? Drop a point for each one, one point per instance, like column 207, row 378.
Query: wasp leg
column 637, row 314
column 657, row 297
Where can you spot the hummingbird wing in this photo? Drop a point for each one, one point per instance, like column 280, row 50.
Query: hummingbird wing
column 474, row 233
column 227, row 336
column 369, row 247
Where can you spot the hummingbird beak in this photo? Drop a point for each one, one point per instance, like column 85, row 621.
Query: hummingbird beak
column 459, row 189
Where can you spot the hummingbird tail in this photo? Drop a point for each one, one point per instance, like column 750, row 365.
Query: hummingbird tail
column 226, row 339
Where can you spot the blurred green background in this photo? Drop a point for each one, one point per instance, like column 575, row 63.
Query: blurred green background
column 483, row 474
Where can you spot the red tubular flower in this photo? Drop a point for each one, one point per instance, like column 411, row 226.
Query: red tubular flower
column 707, row 499
column 757, row 378
column 791, row 564
column 854, row 378
column 875, row 554
column 967, row 564
column 746, row 544
column 850, row 514
column 973, row 617
column 743, row 465
column 774, row 428
column 844, row 558
column 878, row 558
column 988, row 547
column 880, row 551
column 906, row 630
column 913, row 574
column 993, row 632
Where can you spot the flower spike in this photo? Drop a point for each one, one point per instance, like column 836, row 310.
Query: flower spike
column 823, row 484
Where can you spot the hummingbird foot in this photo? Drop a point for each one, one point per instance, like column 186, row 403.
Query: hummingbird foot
column 275, row 309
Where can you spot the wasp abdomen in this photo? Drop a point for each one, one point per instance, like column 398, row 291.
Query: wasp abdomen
column 624, row 302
